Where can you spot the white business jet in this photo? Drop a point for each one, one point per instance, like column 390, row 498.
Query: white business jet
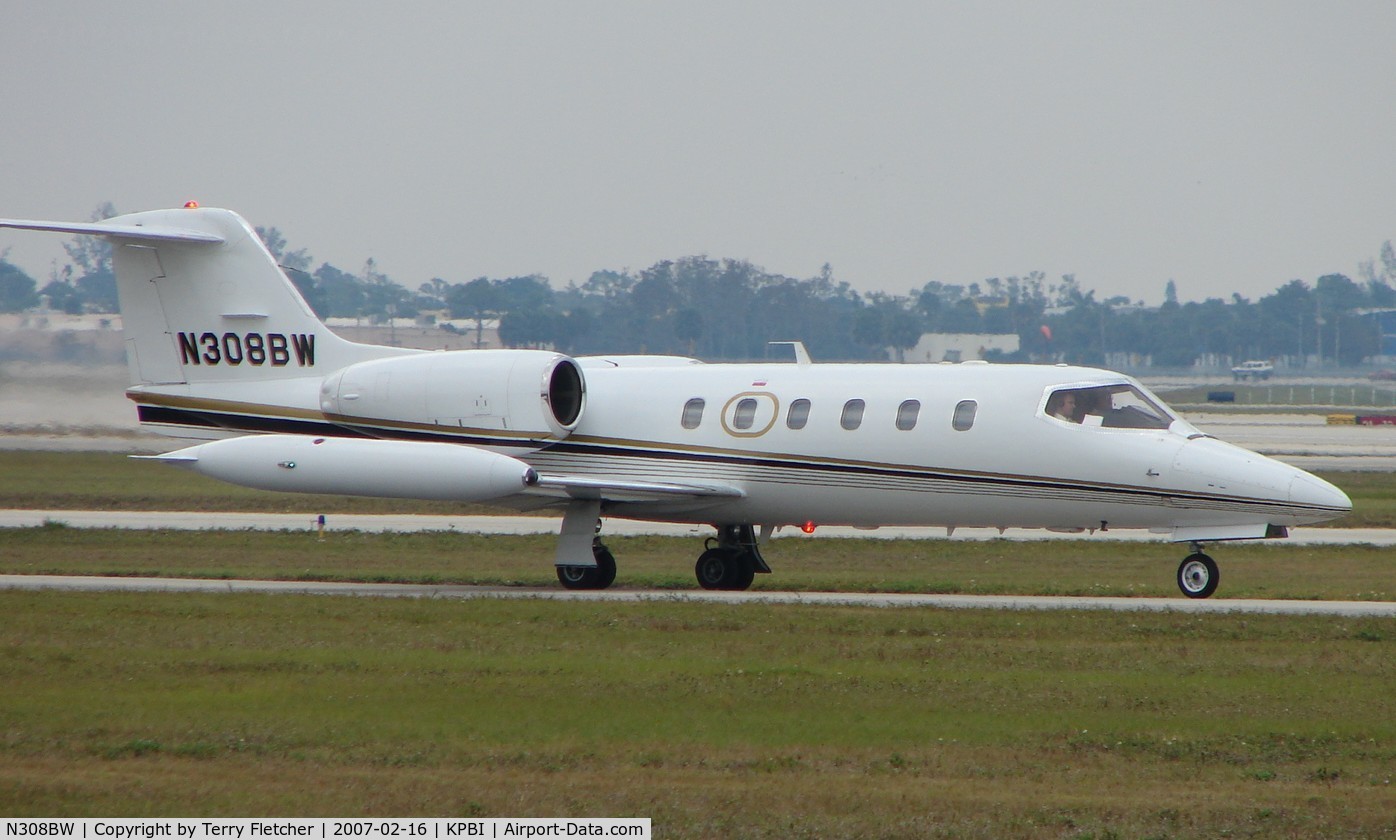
column 222, row 347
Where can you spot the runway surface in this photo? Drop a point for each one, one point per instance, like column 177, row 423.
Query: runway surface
column 1381, row 609
column 520, row 525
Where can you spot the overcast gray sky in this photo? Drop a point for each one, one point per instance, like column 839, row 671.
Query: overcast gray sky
column 1227, row 146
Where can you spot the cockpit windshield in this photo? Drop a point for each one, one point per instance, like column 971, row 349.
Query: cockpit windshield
column 1119, row 406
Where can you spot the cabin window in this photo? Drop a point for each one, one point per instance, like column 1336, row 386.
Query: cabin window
column 963, row 419
column 1119, row 406
column 906, row 415
column 745, row 414
column 852, row 415
column 798, row 415
column 693, row 413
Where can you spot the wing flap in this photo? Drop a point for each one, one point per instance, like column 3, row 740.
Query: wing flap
column 629, row 490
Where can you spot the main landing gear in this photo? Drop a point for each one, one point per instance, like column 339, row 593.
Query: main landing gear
column 732, row 559
column 1197, row 574
column 600, row 576
column 731, row 562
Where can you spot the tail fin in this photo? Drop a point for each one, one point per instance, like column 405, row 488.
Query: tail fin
column 203, row 301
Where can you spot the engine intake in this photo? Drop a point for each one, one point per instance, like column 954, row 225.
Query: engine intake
column 534, row 394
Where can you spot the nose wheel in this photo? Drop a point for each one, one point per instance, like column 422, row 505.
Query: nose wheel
column 1198, row 576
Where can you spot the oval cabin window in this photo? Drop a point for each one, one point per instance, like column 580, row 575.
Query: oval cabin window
column 964, row 415
column 798, row 415
column 852, row 416
column 907, row 413
column 745, row 414
column 693, row 413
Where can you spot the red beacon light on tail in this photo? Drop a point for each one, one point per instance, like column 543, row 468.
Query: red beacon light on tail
column 191, row 205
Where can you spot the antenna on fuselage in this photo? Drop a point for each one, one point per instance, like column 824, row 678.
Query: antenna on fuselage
column 801, row 354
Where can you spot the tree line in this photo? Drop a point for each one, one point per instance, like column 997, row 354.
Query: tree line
column 726, row 309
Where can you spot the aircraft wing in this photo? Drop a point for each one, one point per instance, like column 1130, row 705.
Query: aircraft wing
column 584, row 496
column 628, row 490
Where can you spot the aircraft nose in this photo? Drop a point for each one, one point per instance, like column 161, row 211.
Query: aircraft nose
column 1327, row 500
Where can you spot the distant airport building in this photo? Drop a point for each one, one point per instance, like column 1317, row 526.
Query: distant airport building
column 956, row 347
column 421, row 333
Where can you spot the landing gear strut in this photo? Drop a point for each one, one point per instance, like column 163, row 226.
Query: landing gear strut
column 581, row 532
column 733, row 562
column 1197, row 574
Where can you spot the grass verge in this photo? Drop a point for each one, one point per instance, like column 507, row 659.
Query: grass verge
column 1076, row 567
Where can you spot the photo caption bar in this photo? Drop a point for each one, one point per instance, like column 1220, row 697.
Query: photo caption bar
column 153, row 828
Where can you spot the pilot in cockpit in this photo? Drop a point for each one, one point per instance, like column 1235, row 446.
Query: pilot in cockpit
column 1115, row 407
column 1062, row 406
column 1092, row 405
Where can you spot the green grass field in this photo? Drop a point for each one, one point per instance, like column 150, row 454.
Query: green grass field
column 716, row 721
column 735, row 721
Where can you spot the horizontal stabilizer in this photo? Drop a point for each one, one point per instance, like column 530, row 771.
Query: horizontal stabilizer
column 618, row 489
column 158, row 234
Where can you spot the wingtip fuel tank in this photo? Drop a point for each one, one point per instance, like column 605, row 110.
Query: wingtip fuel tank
column 358, row 467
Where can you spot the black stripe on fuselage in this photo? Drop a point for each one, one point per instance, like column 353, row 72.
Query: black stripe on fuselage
column 189, row 418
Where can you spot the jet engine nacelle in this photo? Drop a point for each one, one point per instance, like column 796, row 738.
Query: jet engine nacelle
column 535, row 394
column 350, row 466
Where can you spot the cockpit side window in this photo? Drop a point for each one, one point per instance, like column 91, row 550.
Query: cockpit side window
column 1109, row 406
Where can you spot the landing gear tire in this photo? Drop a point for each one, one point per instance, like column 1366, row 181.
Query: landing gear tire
column 605, row 566
column 1198, row 576
column 600, row 576
column 746, row 573
column 720, row 568
column 713, row 569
